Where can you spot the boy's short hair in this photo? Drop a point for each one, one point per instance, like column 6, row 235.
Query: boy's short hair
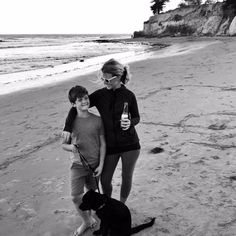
column 77, row 92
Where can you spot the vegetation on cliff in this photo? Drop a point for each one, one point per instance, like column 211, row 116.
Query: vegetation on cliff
column 158, row 6
column 229, row 8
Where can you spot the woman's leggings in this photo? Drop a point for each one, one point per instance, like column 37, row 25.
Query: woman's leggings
column 128, row 160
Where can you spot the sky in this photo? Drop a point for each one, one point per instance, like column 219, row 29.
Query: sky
column 75, row 16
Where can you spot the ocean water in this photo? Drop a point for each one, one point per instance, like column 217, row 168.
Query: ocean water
column 28, row 61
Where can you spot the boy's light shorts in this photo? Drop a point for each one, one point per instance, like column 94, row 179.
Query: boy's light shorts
column 80, row 178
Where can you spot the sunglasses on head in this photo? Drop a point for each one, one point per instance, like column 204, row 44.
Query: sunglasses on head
column 108, row 80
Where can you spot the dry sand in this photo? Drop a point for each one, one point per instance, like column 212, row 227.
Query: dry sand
column 187, row 106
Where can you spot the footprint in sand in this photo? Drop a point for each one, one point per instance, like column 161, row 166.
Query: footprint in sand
column 156, row 150
column 232, row 178
column 217, row 126
column 215, row 157
column 61, row 211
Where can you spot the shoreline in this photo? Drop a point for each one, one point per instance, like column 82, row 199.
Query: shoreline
column 20, row 80
column 57, row 74
column 187, row 107
column 60, row 60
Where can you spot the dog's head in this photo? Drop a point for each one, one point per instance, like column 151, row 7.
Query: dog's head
column 92, row 201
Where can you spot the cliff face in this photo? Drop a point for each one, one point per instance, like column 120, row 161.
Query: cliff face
column 203, row 20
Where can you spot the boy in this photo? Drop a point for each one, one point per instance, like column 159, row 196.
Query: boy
column 88, row 136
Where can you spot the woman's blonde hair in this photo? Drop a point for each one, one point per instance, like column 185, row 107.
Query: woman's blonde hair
column 115, row 68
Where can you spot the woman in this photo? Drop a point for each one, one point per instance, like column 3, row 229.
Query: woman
column 121, row 137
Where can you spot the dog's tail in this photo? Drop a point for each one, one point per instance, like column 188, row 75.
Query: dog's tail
column 138, row 228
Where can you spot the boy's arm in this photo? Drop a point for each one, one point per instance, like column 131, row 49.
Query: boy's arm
column 66, row 143
column 102, row 155
column 102, row 149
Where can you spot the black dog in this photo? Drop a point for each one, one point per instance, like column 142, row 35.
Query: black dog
column 114, row 215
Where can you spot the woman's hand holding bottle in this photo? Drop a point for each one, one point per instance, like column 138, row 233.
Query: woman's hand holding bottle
column 125, row 121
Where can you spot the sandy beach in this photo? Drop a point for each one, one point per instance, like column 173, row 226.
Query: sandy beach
column 187, row 104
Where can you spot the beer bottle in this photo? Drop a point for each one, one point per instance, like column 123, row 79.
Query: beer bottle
column 125, row 113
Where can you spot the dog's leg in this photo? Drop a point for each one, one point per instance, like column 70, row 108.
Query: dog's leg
column 102, row 230
column 97, row 232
